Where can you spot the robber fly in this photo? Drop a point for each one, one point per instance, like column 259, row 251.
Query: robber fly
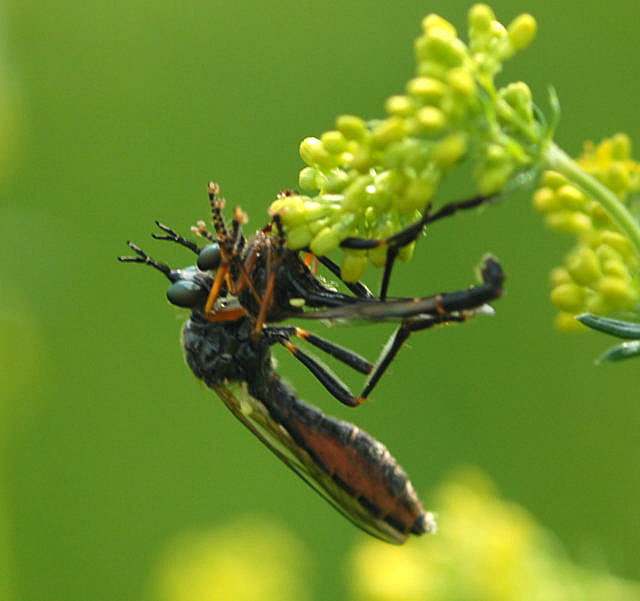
column 238, row 291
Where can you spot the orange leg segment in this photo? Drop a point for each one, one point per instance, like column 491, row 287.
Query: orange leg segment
column 221, row 274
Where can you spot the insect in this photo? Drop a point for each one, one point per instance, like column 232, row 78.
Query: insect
column 238, row 291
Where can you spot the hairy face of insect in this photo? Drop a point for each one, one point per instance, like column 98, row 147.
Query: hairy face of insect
column 190, row 289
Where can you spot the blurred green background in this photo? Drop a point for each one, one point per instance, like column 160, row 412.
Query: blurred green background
column 116, row 114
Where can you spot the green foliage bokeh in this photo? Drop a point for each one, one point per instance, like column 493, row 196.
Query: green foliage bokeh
column 122, row 113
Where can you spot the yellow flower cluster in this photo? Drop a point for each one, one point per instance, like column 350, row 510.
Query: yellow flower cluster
column 600, row 275
column 486, row 550
column 375, row 177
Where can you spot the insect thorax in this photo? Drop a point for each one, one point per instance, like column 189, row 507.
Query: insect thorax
column 219, row 351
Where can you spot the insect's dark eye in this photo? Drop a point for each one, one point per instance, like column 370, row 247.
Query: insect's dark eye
column 186, row 293
column 209, row 257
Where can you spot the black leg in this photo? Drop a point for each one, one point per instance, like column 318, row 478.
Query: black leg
column 332, row 384
column 400, row 309
column 398, row 338
column 345, row 355
column 409, row 234
column 415, row 315
column 335, row 387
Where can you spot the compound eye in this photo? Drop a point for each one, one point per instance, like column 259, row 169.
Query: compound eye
column 209, row 257
column 187, row 294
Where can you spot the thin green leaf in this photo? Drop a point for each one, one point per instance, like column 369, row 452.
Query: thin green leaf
column 624, row 350
column 614, row 327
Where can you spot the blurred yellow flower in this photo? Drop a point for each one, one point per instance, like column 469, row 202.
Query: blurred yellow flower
column 487, row 549
column 249, row 559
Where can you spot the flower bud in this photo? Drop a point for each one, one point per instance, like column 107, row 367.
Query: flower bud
column 334, row 142
column 566, row 322
column 571, row 198
column 568, row 222
column 291, row 210
column 495, row 154
column 618, row 178
column 308, row 148
column 480, row 18
column 606, row 253
column 353, row 265
column 335, row 182
column 413, row 154
column 598, row 213
column 521, row 31
column 387, row 131
column 579, row 223
column 313, row 152
column 461, row 80
column 428, row 68
column 492, row 172
column 428, row 89
column 440, row 46
column 618, row 241
column 431, row 120
column 498, row 32
column 402, row 106
column 584, row 266
column 299, row 237
column 363, row 160
column 378, row 256
column 546, row 201
column 491, row 179
column 559, row 275
column 617, row 269
column 620, row 147
column 356, row 197
column 324, row 242
column 307, row 178
column 568, row 297
column 617, row 293
column 406, row 252
column 418, row 193
column 317, row 225
column 433, row 21
column 313, row 209
column 518, row 95
column 596, row 304
column 351, row 127
column 553, row 179
column 380, row 199
column 450, row 150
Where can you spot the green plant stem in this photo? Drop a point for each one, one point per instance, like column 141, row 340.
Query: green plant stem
column 559, row 161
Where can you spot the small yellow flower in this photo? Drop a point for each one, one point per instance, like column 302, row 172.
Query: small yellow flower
column 603, row 266
column 353, row 265
column 393, row 166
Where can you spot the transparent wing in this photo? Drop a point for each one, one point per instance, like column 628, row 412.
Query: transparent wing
column 256, row 417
